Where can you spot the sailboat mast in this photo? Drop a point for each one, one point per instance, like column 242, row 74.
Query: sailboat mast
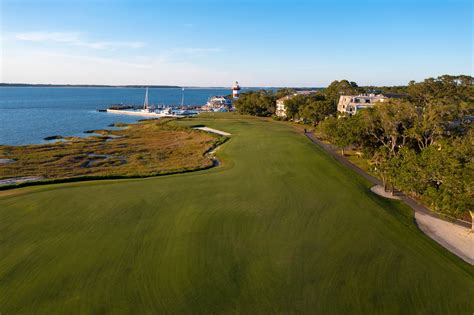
column 182, row 98
column 145, row 103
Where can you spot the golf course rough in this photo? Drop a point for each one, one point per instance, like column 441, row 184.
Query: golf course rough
column 279, row 227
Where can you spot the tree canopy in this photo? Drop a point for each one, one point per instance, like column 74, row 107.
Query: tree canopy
column 258, row 103
column 421, row 143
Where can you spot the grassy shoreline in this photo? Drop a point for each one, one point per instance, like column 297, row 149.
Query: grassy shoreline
column 147, row 148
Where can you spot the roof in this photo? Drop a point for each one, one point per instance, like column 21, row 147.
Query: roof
column 306, row 92
column 284, row 98
column 365, row 96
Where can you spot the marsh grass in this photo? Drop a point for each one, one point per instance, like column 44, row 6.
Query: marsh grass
column 147, row 148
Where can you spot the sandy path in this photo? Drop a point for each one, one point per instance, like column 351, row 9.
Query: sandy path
column 381, row 192
column 219, row 132
column 457, row 239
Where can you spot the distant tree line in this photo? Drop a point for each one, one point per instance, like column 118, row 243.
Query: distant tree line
column 257, row 103
column 310, row 108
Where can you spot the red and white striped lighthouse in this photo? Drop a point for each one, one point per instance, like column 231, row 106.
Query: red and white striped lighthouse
column 235, row 90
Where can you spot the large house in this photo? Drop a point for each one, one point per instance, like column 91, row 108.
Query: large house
column 280, row 103
column 350, row 104
column 280, row 106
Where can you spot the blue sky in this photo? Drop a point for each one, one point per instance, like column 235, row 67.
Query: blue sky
column 213, row 43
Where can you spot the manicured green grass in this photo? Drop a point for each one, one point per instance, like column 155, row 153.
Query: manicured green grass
column 279, row 227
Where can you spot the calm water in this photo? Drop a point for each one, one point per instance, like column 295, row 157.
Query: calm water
column 27, row 115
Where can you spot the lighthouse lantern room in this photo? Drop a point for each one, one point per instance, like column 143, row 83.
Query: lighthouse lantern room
column 235, row 90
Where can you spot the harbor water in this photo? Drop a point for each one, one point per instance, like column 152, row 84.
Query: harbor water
column 29, row 114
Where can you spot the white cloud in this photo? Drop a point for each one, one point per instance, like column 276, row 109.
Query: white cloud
column 48, row 36
column 74, row 39
column 52, row 67
column 49, row 64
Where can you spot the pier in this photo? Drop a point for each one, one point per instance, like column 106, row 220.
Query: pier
column 139, row 113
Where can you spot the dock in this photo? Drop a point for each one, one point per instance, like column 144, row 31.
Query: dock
column 142, row 113
column 148, row 110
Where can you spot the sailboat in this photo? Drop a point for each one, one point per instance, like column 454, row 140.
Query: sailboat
column 183, row 110
column 151, row 111
column 146, row 106
column 145, row 103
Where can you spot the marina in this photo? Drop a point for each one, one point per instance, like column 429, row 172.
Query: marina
column 220, row 103
column 165, row 113
column 148, row 110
